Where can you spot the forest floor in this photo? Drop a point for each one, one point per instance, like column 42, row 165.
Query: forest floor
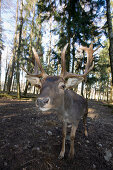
column 30, row 140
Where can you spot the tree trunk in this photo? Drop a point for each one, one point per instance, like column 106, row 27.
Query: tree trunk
column 86, row 91
column 73, row 53
column 13, row 84
column 38, row 44
column 32, row 31
column 12, row 61
column 107, row 92
column 0, row 43
column 10, row 74
column 26, row 87
column 82, row 88
column 49, row 55
column 19, row 50
column 5, row 83
column 34, row 90
column 69, row 39
column 30, row 45
column 110, row 34
column 95, row 95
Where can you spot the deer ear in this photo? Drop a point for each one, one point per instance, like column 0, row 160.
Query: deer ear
column 35, row 81
column 73, row 82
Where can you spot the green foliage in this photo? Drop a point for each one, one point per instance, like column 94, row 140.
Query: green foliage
column 75, row 23
column 103, row 68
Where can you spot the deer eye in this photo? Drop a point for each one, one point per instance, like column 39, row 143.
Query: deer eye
column 39, row 86
column 62, row 86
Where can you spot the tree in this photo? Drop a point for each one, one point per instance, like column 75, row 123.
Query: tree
column 110, row 35
column 1, row 43
column 103, row 71
column 30, row 6
column 19, row 50
column 11, row 65
column 76, row 24
column 32, row 35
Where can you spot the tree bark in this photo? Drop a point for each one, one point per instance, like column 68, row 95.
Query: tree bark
column 82, row 88
column 0, row 44
column 11, row 71
column 19, row 50
column 32, row 31
column 110, row 34
column 49, row 55
column 30, row 45
column 69, row 39
column 6, row 74
column 73, row 53
column 26, row 87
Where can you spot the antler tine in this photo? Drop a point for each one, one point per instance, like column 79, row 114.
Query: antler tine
column 90, row 57
column 89, row 65
column 32, row 75
column 38, row 62
column 89, row 52
column 63, row 62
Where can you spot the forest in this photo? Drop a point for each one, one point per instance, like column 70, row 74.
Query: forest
column 47, row 26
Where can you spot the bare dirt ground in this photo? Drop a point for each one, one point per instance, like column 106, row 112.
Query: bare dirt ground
column 30, row 140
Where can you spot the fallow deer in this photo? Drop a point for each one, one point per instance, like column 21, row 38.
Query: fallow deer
column 55, row 94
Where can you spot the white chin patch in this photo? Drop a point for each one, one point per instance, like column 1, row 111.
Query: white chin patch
column 44, row 109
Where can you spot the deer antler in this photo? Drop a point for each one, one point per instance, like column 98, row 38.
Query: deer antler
column 33, row 74
column 89, row 52
column 37, row 63
column 89, row 65
column 63, row 62
column 43, row 73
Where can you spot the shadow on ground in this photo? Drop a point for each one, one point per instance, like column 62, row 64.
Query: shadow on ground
column 31, row 140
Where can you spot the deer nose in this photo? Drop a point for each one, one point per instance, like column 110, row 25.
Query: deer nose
column 42, row 101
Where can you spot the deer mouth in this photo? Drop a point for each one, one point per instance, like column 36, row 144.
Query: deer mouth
column 45, row 108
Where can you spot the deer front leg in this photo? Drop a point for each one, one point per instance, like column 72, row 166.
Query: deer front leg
column 64, row 130
column 72, row 137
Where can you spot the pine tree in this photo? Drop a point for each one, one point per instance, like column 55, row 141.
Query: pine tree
column 1, row 43
column 110, row 34
column 19, row 50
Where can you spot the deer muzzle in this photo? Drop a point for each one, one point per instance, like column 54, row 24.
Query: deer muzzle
column 42, row 101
